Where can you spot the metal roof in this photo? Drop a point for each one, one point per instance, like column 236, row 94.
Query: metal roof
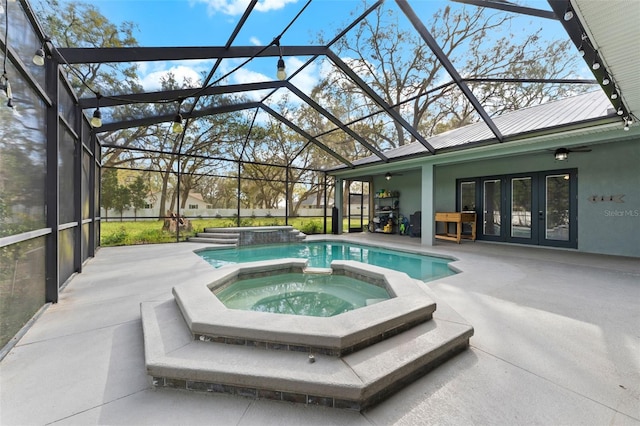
column 578, row 109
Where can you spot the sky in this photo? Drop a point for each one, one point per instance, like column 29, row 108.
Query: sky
column 210, row 23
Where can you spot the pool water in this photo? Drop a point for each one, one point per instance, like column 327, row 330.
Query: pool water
column 301, row 294
column 320, row 254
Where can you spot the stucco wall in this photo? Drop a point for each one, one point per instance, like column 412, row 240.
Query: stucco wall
column 608, row 226
column 408, row 183
column 611, row 169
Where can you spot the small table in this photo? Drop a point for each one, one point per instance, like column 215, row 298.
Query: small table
column 458, row 218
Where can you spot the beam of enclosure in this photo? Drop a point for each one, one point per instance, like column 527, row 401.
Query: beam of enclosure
column 169, row 95
column 446, row 63
column 92, row 55
column 377, row 99
column 191, row 155
column 313, row 104
column 307, row 136
column 510, row 7
column 332, row 42
column 148, row 121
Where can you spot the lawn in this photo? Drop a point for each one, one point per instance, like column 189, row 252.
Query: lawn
column 116, row 233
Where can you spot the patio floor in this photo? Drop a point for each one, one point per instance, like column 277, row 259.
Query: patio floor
column 557, row 341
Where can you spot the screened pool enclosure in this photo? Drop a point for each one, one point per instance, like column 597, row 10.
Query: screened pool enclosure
column 262, row 130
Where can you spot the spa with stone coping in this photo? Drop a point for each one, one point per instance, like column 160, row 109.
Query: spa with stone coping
column 352, row 360
column 210, row 320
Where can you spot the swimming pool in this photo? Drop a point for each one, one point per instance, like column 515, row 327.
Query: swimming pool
column 320, row 254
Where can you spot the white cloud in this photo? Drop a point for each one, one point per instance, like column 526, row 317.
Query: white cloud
column 308, row 78
column 255, row 41
column 152, row 81
column 237, row 7
column 244, row 75
column 267, row 5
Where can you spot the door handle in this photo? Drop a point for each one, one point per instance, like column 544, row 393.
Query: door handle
column 540, row 215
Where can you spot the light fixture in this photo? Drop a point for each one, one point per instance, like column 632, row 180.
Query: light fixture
column 281, row 74
column 96, row 120
column 583, row 37
column 595, row 65
column 606, row 80
column 561, row 154
column 628, row 121
column 614, row 95
column 38, row 57
column 177, row 126
column 568, row 14
column 619, row 111
column 6, row 87
column 387, row 176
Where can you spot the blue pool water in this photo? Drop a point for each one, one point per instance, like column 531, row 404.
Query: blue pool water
column 320, row 254
column 301, row 294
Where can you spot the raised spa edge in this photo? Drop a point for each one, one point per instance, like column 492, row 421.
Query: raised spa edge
column 209, row 319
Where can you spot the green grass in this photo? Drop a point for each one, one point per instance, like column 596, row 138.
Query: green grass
column 150, row 231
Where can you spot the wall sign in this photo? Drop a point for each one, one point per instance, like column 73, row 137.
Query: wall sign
column 606, row 198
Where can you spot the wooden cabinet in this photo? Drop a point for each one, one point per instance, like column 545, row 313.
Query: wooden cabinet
column 458, row 218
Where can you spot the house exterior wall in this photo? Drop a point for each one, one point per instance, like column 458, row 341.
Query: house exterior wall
column 610, row 169
column 408, row 184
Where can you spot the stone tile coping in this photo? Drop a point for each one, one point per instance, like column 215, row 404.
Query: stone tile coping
column 251, row 229
column 355, row 381
column 209, row 320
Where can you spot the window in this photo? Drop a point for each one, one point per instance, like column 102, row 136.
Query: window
column 148, row 206
column 193, row 207
column 209, row 206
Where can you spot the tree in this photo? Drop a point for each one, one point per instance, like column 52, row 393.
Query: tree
column 77, row 24
column 122, row 199
column 396, row 62
column 108, row 190
column 138, row 191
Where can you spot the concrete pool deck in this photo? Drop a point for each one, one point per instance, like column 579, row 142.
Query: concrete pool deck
column 557, row 341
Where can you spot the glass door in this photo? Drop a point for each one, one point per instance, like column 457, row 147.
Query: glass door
column 533, row 208
column 468, row 201
column 522, row 205
column 492, row 208
column 557, row 215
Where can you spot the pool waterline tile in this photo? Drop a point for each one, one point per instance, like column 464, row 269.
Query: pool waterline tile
column 321, row 253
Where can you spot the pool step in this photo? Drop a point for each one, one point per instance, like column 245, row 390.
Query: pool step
column 226, row 238
column 298, row 235
column 355, row 381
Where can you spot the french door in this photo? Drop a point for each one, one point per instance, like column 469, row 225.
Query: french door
column 529, row 208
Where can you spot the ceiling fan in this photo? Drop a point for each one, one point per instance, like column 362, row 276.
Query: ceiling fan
column 562, row 154
column 389, row 175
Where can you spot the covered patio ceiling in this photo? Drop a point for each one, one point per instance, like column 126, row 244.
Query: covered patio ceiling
column 394, row 112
